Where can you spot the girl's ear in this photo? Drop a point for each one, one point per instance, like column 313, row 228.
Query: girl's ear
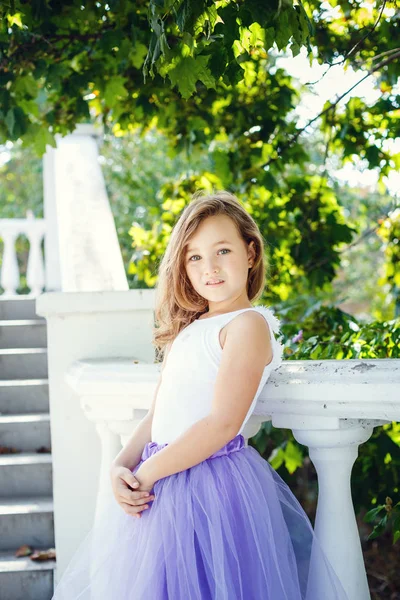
column 252, row 249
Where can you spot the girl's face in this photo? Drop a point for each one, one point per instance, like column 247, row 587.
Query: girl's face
column 216, row 251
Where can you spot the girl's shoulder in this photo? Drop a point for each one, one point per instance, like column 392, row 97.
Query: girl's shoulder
column 272, row 320
column 268, row 314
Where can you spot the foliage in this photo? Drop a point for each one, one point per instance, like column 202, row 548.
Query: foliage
column 389, row 514
column 329, row 333
column 21, row 186
column 55, row 57
column 389, row 232
column 60, row 62
column 205, row 74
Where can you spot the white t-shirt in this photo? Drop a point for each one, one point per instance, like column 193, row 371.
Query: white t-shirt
column 187, row 386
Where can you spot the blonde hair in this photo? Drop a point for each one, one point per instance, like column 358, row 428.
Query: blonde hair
column 177, row 302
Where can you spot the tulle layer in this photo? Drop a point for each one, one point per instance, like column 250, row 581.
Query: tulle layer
column 228, row 528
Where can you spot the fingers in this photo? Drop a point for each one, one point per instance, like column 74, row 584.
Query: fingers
column 129, row 478
column 132, row 488
column 133, row 498
column 134, row 511
column 132, row 501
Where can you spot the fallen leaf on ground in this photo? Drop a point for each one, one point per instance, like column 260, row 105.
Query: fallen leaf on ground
column 8, row 450
column 24, row 550
column 44, row 554
column 43, row 450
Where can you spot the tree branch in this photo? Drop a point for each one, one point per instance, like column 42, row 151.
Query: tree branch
column 294, row 138
column 354, row 48
column 25, row 49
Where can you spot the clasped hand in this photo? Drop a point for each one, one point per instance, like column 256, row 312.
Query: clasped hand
column 132, row 492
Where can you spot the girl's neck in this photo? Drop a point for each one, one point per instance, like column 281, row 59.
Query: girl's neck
column 209, row 315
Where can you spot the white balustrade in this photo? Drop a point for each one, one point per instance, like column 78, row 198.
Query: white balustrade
column 34, row 230
column 331, row 406
column 102, row 378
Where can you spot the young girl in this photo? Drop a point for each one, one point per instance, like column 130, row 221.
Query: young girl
column 198, row 514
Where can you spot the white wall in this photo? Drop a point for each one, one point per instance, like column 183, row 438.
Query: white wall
column 85, row 325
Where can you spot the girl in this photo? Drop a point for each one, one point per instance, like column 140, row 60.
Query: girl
column 199, row 514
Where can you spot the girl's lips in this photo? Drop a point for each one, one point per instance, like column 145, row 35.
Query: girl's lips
column 215, row 284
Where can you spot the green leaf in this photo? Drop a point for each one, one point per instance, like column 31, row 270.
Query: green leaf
column 10, row 121
column 257, row 34
column 283, row 30
column 26, row 86
column 371, row 514
column 396, row 528
column 138, row 54
column 30, row 107
column 43, row 138
column 295, row 48
column 315, row 353
column 222, row 166
column 188, row 71
column 276, row 458
column 293, row 457
column 379, row 528
column 39, row 136
column 188, row 13
column 115, row 90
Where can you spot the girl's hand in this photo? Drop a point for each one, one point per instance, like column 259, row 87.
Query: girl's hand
column 132, row 501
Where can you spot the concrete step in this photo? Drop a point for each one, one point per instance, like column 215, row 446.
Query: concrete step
column 23, row 333
column 25, row 475
column 26, row 521
column 19, row 307
column 26, row 433
column 23, row 363
column 25, row 579
column 19, row 396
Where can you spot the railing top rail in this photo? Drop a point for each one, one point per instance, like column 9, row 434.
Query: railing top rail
column 332, row 388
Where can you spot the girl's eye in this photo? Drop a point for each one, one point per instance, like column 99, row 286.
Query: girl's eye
column 190, row 259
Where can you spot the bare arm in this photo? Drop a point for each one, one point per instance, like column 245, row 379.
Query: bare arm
column 246, row 351
column 131, row 453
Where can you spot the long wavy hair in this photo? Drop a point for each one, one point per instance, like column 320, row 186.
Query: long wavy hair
column 177, row 303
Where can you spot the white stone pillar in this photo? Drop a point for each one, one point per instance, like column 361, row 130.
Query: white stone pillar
column 333, row 452
column 110, row 446
column 82, row 252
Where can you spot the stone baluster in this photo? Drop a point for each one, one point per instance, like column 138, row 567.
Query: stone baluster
column 34, row 229
column 9, row 271
column 35, row 274
column 333, row 453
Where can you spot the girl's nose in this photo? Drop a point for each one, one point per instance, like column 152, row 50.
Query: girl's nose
column 210, row 268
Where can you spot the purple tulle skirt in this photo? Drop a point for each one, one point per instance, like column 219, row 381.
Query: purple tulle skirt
column 228, row 528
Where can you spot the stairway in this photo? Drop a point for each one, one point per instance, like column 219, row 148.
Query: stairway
column 26, row 505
